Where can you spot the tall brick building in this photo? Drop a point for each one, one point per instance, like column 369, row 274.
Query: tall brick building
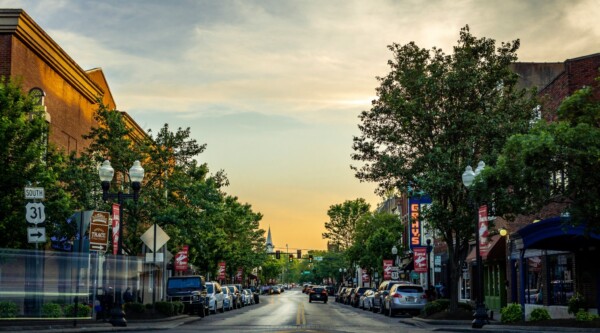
column 69, row 93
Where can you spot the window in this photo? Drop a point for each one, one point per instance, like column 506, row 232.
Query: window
column 38, row 95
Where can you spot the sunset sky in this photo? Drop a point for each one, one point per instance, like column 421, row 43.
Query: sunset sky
column 274, row 88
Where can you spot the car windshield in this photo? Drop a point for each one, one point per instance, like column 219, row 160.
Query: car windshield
column 210, row 288
column 318, row 290
column 189, row 283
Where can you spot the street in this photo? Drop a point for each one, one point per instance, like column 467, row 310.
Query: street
column 291, row 312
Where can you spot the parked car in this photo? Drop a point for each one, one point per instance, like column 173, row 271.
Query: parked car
column 216, row 299
column 318, row 294
column 346, row 295
column 366, row 300
column 237, row 297
column 227, row 298
column 247, row 298
column 339, row 294
column 275, row 290
column 405, row 298
column 189, row 290
column 355, row 296
column 381, row 293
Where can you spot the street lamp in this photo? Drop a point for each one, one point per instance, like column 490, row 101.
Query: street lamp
column 429, row 285
column 342, row 273
column 395, row 253
column 480, row 316
column 136, row 175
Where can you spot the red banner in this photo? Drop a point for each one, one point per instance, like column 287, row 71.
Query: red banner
column 240, row 273
column 420, row 259
column 387, row 269
column 365, row 276
column 222, row 270
column 116, row 225
column 483, row 231
column 181, row 259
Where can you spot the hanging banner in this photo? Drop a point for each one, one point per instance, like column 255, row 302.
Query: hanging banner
column 240, row 273
column 483, row 231
column 420, row 259
column 415, row 226
column 387, row 269
column 365, row 276
column 222, row 270
column 181, row 259
column 116, row 225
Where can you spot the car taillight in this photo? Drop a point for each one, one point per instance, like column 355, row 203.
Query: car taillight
column 324, row 292
column 396, row 295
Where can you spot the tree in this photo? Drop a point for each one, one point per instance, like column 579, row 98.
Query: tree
column 435, row 114
column 552, row 164
column 342, row 221
column 27, row 160
column 375, row 236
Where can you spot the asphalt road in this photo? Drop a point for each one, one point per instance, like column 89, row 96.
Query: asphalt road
column 291, row 312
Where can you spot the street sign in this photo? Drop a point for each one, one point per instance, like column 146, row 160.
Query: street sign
column 395, row 275
column 36, row 235
column 161, row 238
column 34, row 193
column 319, row 258
column 35, row 213
column 99, row 231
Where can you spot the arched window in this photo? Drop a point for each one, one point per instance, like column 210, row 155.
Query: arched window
column 38, row 95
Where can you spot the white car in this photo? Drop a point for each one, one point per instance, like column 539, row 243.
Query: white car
column 216, row 298
column 227, row 298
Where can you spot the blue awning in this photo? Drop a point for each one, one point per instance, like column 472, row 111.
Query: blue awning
column 554, row 234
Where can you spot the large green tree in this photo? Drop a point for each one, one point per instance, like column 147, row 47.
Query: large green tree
column 554, row 163
column 435, row 114
column 342, row 222
column 27, row 160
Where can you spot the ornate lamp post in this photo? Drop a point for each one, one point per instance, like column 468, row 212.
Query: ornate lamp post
column 395, row 254
column 136, row 175
column 480, row 316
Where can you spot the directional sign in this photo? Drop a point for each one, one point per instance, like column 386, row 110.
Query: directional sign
column 34, row 193
column 36, row 235
column 35, row 213
column 99, row 231
column 395, row 275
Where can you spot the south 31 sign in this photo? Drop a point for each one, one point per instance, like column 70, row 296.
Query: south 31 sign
column 415, row 204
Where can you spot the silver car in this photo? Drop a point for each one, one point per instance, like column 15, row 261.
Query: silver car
column 409, row 298
column 216, row 298
column 227, row 298
column 366, row 299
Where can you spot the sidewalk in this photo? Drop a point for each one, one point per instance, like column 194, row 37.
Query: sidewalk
column 67, row 326
column 492, row 327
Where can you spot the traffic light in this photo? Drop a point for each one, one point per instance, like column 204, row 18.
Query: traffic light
column 310, row 258
column 299, row 254
column 277, row 254
column 291, row 258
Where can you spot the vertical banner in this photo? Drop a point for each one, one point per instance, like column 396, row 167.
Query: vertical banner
column 420, row 259
column 222, row 270
column 365, row 276
column 483, row 231
column 240, row 273
column 181, row 259
column 116, row 228
column 416, row 222
column 387, row 269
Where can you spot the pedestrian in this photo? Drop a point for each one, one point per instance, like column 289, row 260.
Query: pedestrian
column 128, row 295
column 107, row 303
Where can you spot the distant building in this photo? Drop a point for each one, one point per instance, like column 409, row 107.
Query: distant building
column 269, row 244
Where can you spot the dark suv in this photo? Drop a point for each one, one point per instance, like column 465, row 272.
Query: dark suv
column 190, row 291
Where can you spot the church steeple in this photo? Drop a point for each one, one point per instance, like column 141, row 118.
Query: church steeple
column 269, row 244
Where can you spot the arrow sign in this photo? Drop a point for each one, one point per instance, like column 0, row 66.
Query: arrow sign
column 36, row 235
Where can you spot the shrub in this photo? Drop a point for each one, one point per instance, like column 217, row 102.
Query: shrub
column 539, row 314
column 179, row 307
column 166, row 308
column 134, row 308
column 433, row 307
column 465, row 306
column 52, row 310
column 8, row 309
column 576, row 302
column 583, row 315
column 511, row 313
column 82, row 310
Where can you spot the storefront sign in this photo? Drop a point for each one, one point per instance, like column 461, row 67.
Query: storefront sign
column 116, row 223
column 181, row 259
column 222, row 267
column 483, row 231
column 387, row 269
column 416, row 222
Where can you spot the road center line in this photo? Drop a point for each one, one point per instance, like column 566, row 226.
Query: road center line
column 300, row 318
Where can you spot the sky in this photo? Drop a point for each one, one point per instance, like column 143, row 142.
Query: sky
column 275, row 87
